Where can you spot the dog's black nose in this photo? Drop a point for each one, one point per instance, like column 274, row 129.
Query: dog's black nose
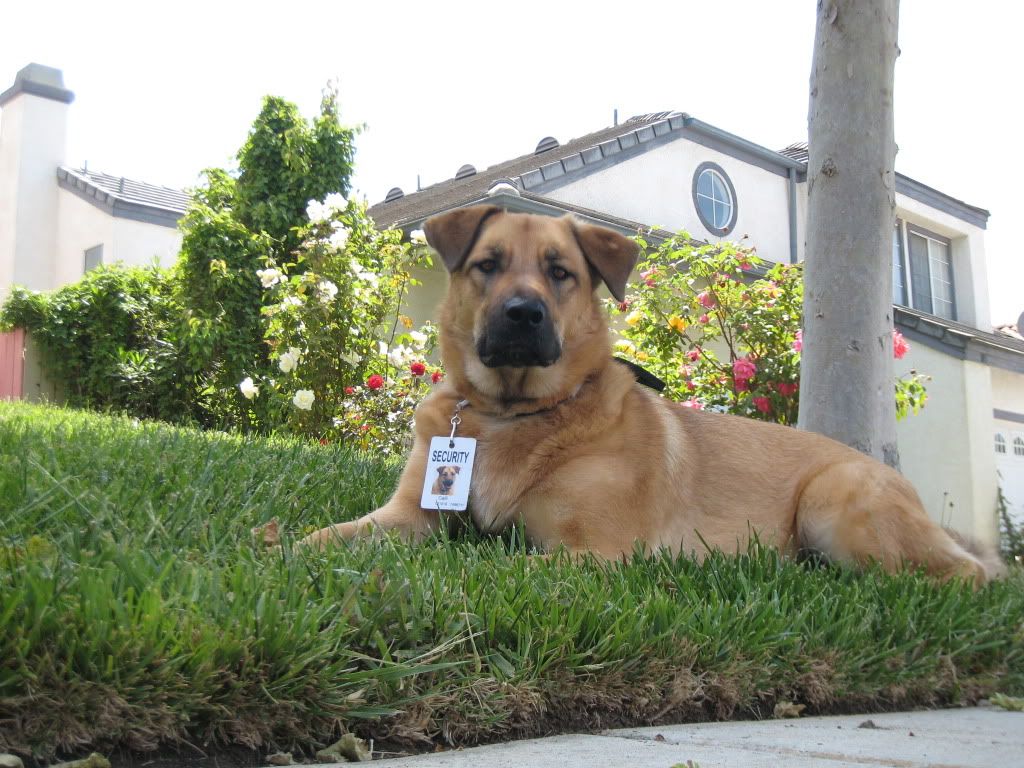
column 526, row 312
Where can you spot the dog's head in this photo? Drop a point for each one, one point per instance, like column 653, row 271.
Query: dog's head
column 446, row 478
column 521, row 320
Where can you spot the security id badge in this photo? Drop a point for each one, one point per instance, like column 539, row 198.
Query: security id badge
column 449, row 469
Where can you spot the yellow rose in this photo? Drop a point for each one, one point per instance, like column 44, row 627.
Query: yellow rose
column 625, row 346
column 642, row 356
column 634, row 317
column 677, row 323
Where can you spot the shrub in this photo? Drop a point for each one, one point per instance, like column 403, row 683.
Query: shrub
column 344, row 368
column 232, row 227
column 108, row 339
column 723, row 331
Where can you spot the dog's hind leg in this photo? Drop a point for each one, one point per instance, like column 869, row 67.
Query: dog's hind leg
column 858, row 512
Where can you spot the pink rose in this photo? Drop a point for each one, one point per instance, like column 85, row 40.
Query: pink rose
column 697, row 405
column 900, row 347
column 763, row 404
column 743, row 369
column 693, row 355
column 436, row 376
column 798, row 343
column 741, row 385
column 706, row 300
column 704, row 318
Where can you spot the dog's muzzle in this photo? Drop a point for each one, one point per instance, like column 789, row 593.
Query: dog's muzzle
column 519, row 334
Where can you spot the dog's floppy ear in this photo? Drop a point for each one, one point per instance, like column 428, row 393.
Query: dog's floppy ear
column 440, row 470
column 453, row 234
column 610, row 254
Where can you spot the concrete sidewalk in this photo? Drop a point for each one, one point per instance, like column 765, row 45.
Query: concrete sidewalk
column 979, row 737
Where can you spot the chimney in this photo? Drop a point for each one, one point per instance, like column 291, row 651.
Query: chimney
column 33, row 137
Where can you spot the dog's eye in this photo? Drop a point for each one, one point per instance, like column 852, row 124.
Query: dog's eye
column 487, row 266
column 558, row 273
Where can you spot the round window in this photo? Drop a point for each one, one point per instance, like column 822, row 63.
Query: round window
column 715, row 198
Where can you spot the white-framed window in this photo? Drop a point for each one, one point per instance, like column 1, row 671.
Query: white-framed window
column 93, row 257
column 714, row 197
column 1000, row 443
column 922, row 270
column 1018, row 446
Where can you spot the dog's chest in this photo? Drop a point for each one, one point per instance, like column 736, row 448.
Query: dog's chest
column 511, row 464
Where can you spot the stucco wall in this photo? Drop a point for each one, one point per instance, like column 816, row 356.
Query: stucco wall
column 139, row 244
column 946, row 449
column 32, row 142
column 655, row 188
column 80, row 225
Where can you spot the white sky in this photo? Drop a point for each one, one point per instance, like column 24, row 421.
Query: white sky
column 166, row 89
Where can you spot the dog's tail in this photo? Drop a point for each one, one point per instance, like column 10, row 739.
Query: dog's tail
column 994, row 567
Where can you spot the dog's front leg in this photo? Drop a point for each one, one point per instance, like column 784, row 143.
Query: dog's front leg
column 402, row 513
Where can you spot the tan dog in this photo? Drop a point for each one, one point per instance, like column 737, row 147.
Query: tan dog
column 571, row 445
column 444, row 485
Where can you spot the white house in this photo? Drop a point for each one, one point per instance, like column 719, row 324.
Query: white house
column 57, row 222
column 674, row 172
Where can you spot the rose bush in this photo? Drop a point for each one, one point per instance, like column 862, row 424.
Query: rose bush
column 722, row 329
column 347, row 365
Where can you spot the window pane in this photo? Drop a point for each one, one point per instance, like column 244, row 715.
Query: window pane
column 920, row 281
column 941, row 279
column 723, row 211
column 899, row 294
column 704, row 183
column 720, row 188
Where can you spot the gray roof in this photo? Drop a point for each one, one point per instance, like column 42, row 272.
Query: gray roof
column 914, row 189
column 523, row 170
column 553, row 165
column 996, row 348
column 126, row 198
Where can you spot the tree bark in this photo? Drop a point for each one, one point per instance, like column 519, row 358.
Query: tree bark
column 846, row 371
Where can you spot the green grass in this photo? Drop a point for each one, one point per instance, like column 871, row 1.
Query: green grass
column 136, row 612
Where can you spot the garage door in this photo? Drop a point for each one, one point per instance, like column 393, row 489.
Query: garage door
column 1009, row 446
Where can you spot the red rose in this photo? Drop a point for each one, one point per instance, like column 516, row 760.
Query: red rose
column 436, row 376
column 350, row 390
column 417, row 369
column 786, row 389
column 623, row 306
column 900, row 347
column 375, row 382
column 763, row 404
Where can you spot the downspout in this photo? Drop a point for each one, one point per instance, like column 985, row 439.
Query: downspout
column 792, row 215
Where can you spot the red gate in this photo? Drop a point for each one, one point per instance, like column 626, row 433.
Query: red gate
column 12, row 364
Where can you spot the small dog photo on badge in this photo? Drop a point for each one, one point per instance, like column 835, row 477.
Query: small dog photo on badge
column 444, row 485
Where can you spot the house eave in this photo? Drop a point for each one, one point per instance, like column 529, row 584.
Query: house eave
column 115, row 206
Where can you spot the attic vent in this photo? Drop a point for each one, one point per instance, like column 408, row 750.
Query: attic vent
column 548, row 142
column 464, row 171
column 393, row 194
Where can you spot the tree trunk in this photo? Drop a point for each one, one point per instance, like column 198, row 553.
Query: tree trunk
column 846, row 372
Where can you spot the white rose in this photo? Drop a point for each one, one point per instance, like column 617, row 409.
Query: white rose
column 289, row 360
column 304, row 399
column 417, row 236
column 248, row 389
column 336, row 200
column 418, row 339
column 317, row 211
column 339, row 237
column 327, row 291
column 269, row 277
